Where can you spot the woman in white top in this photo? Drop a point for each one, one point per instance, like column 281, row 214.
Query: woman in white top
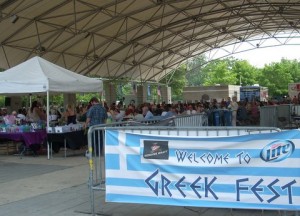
column 190, row 110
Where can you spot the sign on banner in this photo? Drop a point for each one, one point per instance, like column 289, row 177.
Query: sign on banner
column 258, row 171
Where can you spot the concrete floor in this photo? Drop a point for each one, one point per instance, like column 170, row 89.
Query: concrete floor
column 35, row 186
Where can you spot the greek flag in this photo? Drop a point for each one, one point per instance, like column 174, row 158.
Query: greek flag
column 158, row 90
column 258, row 171
column 149, row 90
column 134, row 88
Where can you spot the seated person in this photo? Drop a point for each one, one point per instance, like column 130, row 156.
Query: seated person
column 36, row 113
column 138, row 115
column 130, row 110
column 21, row 114
column 190, row 110
column 118, row 115
column 172, row 111
column 147, row 113
column 10, row 119
column 70, row 115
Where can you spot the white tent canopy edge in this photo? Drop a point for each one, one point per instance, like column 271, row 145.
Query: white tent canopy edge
column 38, row 75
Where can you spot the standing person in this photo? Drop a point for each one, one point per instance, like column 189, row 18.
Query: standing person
column 234, row 107
column 96, row 114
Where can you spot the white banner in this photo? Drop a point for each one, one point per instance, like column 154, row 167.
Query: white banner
column 259, row 171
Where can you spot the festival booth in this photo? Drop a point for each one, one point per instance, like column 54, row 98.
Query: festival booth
column 38, row 76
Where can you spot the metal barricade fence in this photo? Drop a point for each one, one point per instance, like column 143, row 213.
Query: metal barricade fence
column 96, row 137
column 195, row 120
column 277, row 116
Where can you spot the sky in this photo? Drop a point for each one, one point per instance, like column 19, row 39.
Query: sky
column 261, row 56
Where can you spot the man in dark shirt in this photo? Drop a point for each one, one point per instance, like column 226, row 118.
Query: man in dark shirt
column 96, row 114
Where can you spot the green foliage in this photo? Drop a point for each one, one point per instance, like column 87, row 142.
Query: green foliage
column 195, row 75
column 277, row 76
column 126, row 90
column 246, row 74
column 220, row 72
column 176, row 80
column 230, row 71
column 2, row 101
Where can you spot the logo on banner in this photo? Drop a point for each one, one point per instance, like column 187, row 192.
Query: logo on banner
column 156, row 150
column 277, row 151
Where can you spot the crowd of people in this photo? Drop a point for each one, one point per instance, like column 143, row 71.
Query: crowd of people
column 147, row 111
column 243, row 113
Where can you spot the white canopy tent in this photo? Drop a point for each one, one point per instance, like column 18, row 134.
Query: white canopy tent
column 40, row 76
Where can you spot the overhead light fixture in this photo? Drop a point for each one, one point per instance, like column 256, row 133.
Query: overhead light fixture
column 281, row 9
column 96, row 57
column 195, row 19
column 14, row 18
column 40, row 49
column 170, row 51
column 292, row 23
column 257, row 45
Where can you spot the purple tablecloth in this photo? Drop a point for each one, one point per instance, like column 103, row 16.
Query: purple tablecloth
column 29, row 138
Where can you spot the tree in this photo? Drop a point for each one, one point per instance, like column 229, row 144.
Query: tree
column 246, row 74
column 277, row 76
column 293, row 66
column 220, row 72
column 195, row 74
column 176, row 80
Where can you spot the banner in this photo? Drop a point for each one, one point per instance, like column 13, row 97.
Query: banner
column 120, row 90
column 158, row 90
column 148, row 90
column 294, row 90
column 134, row 88
column 258, row 171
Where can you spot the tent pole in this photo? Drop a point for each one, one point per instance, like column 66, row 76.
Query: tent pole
column 48, row 111
column 30, row 102
column 47, row 119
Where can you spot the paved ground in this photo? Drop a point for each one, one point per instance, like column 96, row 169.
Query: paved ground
column 35, row 186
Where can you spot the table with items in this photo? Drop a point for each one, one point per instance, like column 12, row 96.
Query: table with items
column 31, row 138
column 70, row 136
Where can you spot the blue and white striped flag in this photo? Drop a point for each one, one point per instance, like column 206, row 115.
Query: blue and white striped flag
column 149, row 90
column 159, row 90
column 134, row 88
column 258, row 171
